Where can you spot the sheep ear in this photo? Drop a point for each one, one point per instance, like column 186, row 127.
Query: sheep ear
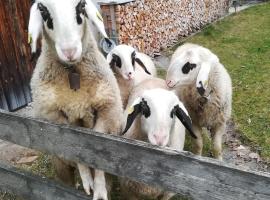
column 95, row 17
column 138, row 60
column 202, row 78
column 34, row 27
column 138, row 107
column 181, row 113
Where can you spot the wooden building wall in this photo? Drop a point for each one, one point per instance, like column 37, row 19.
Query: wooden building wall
column 15, row 65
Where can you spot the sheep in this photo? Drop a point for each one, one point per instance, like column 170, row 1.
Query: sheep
column 205, row 87
column 152, row 114
column 130, row 68
column 72, row 82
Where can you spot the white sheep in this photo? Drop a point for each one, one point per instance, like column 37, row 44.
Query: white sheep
column 154, row 115
column 72, row 82
column 205, row 87
column 130, row 68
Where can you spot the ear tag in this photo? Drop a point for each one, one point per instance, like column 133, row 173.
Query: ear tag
column 205, row 83
column 130, row 109
column 29, row 38
column 99, row 16
column 74, row 80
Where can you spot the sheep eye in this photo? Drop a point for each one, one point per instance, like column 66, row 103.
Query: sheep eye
column 80, row 9
column 45, row 15
column 188, row 67
column 133, row 55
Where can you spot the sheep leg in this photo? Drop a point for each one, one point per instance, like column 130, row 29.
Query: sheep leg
column 197, row 143
column 100, row 191
column 86, row 176
column 217, row 141
column 64, row 171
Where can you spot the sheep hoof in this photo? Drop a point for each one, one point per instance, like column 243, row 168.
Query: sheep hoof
column 100, row 192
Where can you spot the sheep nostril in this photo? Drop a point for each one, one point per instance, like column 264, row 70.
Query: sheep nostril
column 69, row 53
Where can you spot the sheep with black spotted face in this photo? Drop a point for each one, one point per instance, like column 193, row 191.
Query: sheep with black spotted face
column 205, row 87
column 72, row 82
column 154, row 115
column 130, row 68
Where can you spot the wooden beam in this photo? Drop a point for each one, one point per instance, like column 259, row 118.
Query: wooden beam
column 181, row 172
column 32, row 187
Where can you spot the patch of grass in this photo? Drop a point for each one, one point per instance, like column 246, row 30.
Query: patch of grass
column 42, row 166
column 242, row 43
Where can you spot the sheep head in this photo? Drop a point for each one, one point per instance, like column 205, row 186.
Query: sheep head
column 158, row 110
column 63, row 22
column 123, row 58
column 192, row 66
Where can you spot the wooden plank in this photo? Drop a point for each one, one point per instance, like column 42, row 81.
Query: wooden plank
column 32, row 187
column 181, row 172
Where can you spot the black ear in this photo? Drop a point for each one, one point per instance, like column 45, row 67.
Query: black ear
column 140, row 108
column 188, row 67
column 116, row 61
column 184, row 118
column 108, row 41
column 142, row 65
column 201, row 89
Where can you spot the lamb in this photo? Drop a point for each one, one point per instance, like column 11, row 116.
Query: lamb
column 205, row 87
column 152, row 116
column 130, row 68
column 72, row 82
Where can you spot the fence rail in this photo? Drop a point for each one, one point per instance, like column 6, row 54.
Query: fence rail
column 33, row 187
column 180, row 172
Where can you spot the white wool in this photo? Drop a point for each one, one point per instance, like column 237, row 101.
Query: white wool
column 207, row 82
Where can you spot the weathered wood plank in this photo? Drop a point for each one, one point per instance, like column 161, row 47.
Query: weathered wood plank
column 33, row 187
column 184, row 173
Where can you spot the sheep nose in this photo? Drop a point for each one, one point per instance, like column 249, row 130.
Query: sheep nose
column 170, row 83
column 129, row 75
column 69, row 53
column 160, row 138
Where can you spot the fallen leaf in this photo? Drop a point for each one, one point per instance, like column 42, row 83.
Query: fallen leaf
column 27, row 160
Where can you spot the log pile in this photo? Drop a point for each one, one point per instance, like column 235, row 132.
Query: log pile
column 151, row 25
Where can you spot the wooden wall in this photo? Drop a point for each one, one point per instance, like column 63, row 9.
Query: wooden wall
column 15, row 65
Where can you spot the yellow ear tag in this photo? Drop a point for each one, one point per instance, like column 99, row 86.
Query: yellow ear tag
column 205, row 83
column 130, row 109
column 29, row 38
column 99, row 16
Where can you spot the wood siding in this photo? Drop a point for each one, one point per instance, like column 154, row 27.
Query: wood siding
column 15, row 65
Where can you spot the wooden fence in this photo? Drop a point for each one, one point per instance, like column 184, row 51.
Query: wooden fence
column 181, row 172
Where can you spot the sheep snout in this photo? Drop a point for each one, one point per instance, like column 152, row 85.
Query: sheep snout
column 69, row 53
column 159, row 139
column 170, row 83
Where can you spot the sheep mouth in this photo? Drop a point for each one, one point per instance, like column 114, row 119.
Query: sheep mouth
column 170, row 84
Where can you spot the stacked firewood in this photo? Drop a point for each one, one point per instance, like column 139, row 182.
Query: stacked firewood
column 151, row 25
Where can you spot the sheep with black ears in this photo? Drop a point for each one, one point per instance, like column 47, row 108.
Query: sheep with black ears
column 130, row 68
column 154, row 115
column 205, row 87
column 72, row 82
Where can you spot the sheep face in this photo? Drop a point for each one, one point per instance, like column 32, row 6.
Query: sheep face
column 182, row 71
column 192, row 66
column 122, row 59
column 63, row 23
column 158, row 109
